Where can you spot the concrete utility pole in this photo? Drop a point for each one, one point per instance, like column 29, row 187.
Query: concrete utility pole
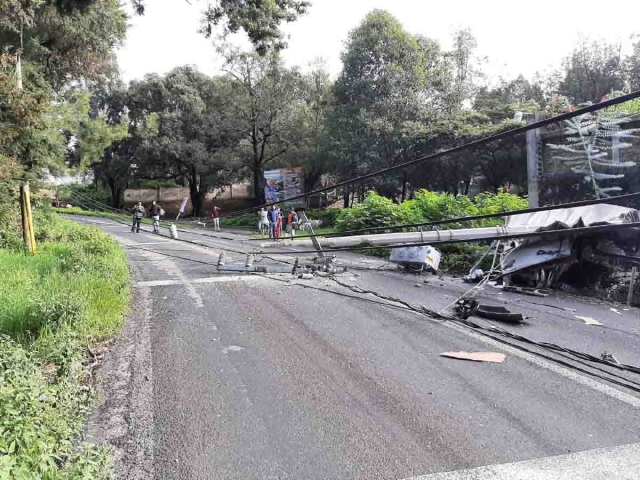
column 632, row 283
column 28, row 234
column 532, row 160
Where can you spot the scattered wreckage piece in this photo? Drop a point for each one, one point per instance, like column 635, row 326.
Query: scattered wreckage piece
column 499, row 314
column 416, row 258
column 466, row 307
column 489, row 357
column 588, row 320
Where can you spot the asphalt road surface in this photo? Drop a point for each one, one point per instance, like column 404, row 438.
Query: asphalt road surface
column 228, row 376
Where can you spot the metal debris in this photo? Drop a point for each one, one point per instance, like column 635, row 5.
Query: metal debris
column 608, row 357
column 474, row 276
column 588, row 320
column 466, row 307
column 499, row 314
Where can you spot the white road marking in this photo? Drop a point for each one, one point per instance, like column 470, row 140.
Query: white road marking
column 221, row 279
column 615, row 463
column 134, row 244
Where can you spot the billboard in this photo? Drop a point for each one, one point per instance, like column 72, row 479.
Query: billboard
column 284, row 183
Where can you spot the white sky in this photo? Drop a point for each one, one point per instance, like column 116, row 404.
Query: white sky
column 516, row 36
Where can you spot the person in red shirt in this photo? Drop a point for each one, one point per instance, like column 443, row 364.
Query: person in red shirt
column 215, row 213
column 278, row 222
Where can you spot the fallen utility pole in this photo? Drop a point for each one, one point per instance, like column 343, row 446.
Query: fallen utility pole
column 385, row 239
column 485, row 216
column 499, row 234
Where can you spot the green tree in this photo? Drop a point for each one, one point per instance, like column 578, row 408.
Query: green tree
column 387, row 75
column 458, row 72
column 193, row 142
column 632, row 67
column 592, row 71
column 310, row 122
column 263, row 113
column 260, row 19
column 64, row 40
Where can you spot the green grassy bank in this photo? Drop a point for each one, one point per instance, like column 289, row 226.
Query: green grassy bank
column 54, row 306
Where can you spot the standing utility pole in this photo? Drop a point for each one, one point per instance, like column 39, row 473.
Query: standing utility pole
column 28, row 234
column 532, row 159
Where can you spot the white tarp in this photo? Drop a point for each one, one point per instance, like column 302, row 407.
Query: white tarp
column 574, row 217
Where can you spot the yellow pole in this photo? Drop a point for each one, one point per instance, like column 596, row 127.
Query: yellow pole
column 26, row 235
column 32, row 237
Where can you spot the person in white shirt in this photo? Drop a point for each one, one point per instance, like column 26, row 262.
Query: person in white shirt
column 263, row 221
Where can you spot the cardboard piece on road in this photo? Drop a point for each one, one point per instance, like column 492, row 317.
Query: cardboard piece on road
column 588, row 320
column 491, row 357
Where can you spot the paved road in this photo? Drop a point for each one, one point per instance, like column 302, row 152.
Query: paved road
column 234, row 377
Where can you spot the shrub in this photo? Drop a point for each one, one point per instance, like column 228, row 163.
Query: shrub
column 73, row 292
column 39, row 418
column 374, row 211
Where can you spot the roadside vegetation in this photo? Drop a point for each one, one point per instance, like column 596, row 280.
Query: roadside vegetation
column 55, row 306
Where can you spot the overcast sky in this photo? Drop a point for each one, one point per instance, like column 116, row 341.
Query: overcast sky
column 515, row 36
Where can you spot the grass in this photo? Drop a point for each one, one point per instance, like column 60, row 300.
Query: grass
column 72, row 294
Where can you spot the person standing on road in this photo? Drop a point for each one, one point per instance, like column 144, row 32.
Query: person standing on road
column 292, row 220
column 263, row 221
column 215, row 213
column 273, row 219
column 278, row 222
column 156, row 213
column 138, row 213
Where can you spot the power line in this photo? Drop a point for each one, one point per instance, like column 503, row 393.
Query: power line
column 460, row 148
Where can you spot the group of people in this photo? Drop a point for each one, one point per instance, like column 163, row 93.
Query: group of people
column 139, row 212
column 271, row 221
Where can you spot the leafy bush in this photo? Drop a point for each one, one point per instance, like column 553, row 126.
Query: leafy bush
column 328, row 216
column 374, row 211
column 39, row 418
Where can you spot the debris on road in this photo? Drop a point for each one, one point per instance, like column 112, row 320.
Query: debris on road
column 474, row 276
column 466, row 307
column 490, row 357
column 588, row 320
column 232, row 348
column 614, row 310
column 608, row 357
column 499, row 314
column 416, row 258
